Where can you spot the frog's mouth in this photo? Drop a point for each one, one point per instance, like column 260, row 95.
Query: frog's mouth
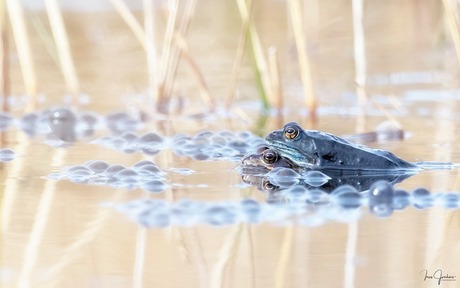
column 293, row 154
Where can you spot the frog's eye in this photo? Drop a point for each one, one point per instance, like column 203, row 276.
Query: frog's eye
column 270, row 156
column 291, row 132
column 268, row 186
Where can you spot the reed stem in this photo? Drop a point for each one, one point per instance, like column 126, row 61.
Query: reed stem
column 130, row 20
column 23, row 48
column 304, row 62
column 277, row 92
column 453, row 26
column 63, row 47
column 360, row 61
column 150, row 48
column 260, row 66
column 4, row 59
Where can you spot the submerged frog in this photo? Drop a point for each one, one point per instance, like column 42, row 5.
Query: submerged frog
column 266, row 159
column 319, row 150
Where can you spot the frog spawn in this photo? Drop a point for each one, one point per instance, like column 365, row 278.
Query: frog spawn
column 144, row 174
column 207, row 145
column 310, row 207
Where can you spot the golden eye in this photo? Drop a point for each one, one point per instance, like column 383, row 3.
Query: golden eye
column 270, row 156
column 291, row 132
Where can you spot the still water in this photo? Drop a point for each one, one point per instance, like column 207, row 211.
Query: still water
column 59, row 231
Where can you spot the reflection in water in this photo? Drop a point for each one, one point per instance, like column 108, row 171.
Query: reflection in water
column 298, row 203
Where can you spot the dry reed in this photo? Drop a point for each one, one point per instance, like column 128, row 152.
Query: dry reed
column 360, row 61
column 4, row 63
column 21, row 38
column 63, row 47
column 277, row 91
column 304, row 62
column 450, row 13
column 150, row 46
column 130, row 20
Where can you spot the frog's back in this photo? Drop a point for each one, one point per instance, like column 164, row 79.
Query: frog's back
column 336, row 152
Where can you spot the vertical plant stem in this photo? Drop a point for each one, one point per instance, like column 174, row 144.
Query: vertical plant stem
column 150, row 48
column 130, row 20
column 275, row 80
column 453, row 26
column 63, row 47
column 262, row 76
column 4, row 59
column 304, row 62
column 186, row 18
column 206, row 95
column 166, row 51
column 360, row 61
column 21, row 39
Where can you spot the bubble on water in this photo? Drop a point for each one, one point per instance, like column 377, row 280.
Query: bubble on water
column 98, row 166
column 451, row 201
column 77, row 168
column 200, row 156
column 251, row 209
column 28, row 123
column 120, row 122
column 219, row 140
column 422, row 198
column 156, row 218
column 154, row 186
column 182, row 171
column 5, row 121
column 317, row 196
column 7, row 155
column 284, row 177
column 401, row 199
column 347, row 196
column 296, row 193
column 315, row 178
column 126, row 175
column 220, row 215
column 129, row 137
column 381, row 198
column 151, row 138
column 113, row 169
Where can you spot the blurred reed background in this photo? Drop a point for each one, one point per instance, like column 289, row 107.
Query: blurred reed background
column 200, row 52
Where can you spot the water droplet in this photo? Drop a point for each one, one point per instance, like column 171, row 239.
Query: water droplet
column 347, row 196
column 220, row 215
column 451, row 201
column 422, row 198
column 381, row 198
column 154, row 186
column 401, row 199
column 113, row 169
column 7, row 155
column 126, row 175
column 315, row 178
column 98, row 166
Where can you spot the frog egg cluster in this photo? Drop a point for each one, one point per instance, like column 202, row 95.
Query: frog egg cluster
column 208, row 145
column 381, row 198
column 309, row 207
column 150, row 143
column 144, row 174
column 159, row 213
column 7, row 155
column 221, row 145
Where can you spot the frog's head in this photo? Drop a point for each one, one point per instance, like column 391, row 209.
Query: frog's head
column 295, row 144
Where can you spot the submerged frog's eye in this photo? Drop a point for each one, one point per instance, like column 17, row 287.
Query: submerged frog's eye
column 291, row 132
column 270, row 156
